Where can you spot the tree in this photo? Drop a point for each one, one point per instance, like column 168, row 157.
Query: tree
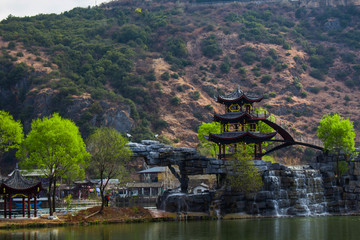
column 245, row 177
column 337, row 134
column 11, row 133
column 210, row 46
column 206, row 147
column 54, row 145
column 109, row 155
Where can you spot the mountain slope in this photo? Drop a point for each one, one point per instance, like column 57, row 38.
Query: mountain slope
column 154, row 68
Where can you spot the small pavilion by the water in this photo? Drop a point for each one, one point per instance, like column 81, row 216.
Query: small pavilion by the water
column 18, row 186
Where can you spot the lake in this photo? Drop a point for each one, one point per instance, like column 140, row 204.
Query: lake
column 297, row 228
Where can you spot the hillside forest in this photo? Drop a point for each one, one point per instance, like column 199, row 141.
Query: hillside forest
column 152, row 69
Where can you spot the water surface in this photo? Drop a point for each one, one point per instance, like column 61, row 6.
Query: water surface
column 301, row 228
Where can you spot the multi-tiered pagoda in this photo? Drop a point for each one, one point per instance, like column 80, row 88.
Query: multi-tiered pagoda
column 240, row 126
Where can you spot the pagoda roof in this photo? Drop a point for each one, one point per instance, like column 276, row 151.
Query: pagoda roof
column 240, row 136
column 16, row 183
column 235, row 117
column 236, row 96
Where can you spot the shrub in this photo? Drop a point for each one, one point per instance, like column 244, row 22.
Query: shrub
column 177, row 47
column 267, row 62
column 209, row 107
column 347, row 98
column 303, row 94
column 249, row 56
column 266, row 78
column 348, row 57
column 195, row 95
column 314, row 90
column 158, row 86
column 11, row 45
column 286, row 46
column 272, row 94
column 199, row 116
column 131, row 32
column 150, row 76
column 210, row 46
column 165, row 76
column 175, row 101
column 175, row 75
column 225, row 67
column 160, row 124
column 289, row 99
column 317, row 74
column 242, row 71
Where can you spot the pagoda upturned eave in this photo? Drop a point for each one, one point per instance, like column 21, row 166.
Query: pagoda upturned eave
column 240, row 136
column 238, row 96
column 243, row 98
column 237, row 117
column 17, row 183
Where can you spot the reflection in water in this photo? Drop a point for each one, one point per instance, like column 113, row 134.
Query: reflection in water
column 247, row 229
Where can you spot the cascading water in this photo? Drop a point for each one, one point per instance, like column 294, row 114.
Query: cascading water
column 309, row 193
column 295, row 191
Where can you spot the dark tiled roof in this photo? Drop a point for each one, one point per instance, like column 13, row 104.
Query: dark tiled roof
column 240, row 136
column 238, row 95
column 18, row 182
column 233, row 117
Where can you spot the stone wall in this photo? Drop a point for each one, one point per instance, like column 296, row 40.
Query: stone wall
column 312, row 189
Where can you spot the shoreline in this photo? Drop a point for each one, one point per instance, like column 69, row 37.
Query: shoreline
column 134, row 215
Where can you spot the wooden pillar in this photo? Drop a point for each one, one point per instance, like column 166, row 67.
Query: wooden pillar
column 9, row 206
column 35, row 206
column 223, row 150
column 5, row 208
column 219, row 151
column 260, row 150
column 255, row 153
column 29, row 205
column 23, row 206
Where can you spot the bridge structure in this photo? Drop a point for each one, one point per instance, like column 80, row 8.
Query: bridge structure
column 241, row 127
column 287, row 140
column 245, row 129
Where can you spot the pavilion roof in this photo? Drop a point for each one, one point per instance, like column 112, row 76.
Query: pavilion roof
column 240, row 136
column 234, row 117
column 17, row 183
column 238, row 96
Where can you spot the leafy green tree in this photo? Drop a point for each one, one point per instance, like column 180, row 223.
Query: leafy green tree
column 54, row 145
column 245, row 177
column 109, row 155
column 11, row 133
column 206, row 147
column 337, row 135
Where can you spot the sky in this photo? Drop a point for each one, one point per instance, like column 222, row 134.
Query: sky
column 21, row 8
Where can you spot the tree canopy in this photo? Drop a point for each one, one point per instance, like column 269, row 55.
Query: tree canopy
column 54, row 145
column 11, row 132
column 245, row 177
column 109, row 155
column 337, row 134
column 206, row 147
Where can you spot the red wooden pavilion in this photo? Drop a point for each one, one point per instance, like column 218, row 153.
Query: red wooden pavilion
column 18, row 186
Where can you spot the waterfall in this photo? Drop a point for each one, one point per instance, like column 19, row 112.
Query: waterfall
column 294, row 191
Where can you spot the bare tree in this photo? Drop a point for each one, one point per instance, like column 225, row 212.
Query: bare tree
column 109, row 156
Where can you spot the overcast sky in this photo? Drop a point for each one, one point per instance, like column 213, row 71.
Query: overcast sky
column 21, row 8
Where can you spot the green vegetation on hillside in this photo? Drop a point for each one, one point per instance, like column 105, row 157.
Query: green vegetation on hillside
column 108, row 52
